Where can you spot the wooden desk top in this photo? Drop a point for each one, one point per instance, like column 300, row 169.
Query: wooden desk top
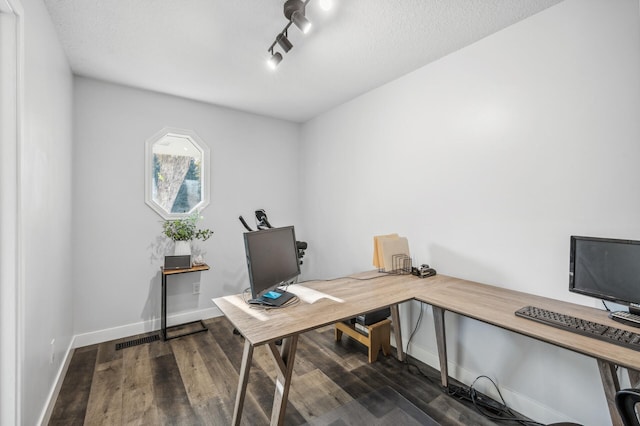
column 321, row 303
column 326, row 302
column 496, row 305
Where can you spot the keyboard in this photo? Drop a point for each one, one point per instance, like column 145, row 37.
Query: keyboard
column 626, row 318
column 614, row 335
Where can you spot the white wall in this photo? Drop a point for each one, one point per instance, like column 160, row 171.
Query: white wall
column 488, row 160
column 45, row 211
column 118, row 247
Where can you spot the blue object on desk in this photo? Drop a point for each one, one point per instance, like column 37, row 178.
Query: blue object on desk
column 272, row 295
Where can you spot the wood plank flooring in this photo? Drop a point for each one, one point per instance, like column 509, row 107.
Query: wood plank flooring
column 192, row 380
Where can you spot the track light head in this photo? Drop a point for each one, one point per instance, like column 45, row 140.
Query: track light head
column 274, row 60
column 301, row 22
column 284, row 42
column 294, row 12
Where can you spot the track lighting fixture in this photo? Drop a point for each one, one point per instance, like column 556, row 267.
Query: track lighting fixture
column 284, row 42
column 294, row 11
column 274, row 60
column 301, row 21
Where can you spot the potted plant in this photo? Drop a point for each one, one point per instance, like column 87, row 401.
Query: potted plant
column 183, row 231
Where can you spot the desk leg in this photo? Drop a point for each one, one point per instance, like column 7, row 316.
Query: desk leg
column 395, row 318
column 284, row 363
column 163, row 314
column 634, row 377
column 247, row 356
column 441, row 341
column 611, row 386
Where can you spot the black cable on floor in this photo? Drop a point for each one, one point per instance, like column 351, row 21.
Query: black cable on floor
column 504, row 413
column 483, row 404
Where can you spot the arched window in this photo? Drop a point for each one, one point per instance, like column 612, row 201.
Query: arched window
column 176, row 175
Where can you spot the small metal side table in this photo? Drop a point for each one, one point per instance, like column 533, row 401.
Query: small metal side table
column 165, row 273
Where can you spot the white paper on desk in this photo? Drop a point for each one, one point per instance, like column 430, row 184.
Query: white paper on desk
column 310, row 295
column 394, row 249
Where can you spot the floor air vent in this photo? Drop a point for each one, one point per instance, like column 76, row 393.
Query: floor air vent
column 136, row 342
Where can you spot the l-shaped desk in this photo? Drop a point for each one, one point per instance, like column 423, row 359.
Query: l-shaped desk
column 326, row 302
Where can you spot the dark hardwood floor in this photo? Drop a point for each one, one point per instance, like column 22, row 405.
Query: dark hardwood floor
column 192, row 380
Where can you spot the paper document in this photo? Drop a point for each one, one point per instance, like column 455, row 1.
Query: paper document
column 378, row 260
column 391, row 253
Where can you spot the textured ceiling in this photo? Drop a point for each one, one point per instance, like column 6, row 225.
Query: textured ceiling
column 215, row 50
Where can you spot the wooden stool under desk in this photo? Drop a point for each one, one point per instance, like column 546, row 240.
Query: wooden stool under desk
column 379, row 337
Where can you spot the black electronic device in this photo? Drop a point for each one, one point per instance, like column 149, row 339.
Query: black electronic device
column 373, row 317
column 272, row 260
column 301, row 246
column 177, row 262
column 423, row 271
column 263, row 223
column 606, row 268
column 596, row 330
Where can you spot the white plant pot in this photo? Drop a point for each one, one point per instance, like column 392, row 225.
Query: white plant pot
column 182, row 248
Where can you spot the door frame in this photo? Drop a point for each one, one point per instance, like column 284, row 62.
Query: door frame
column 11, row 258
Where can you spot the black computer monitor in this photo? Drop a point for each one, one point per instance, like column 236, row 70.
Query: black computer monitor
column 606, row 268
column 272, row 259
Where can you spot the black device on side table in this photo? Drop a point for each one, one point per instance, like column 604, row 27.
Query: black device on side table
column 165, row 273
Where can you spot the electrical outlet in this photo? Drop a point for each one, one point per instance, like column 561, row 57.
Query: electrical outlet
column 52, row 358
column 196, row 288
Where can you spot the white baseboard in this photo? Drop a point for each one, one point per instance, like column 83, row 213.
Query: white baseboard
column 119, row 332
column 45, row 416
column 520, row 403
